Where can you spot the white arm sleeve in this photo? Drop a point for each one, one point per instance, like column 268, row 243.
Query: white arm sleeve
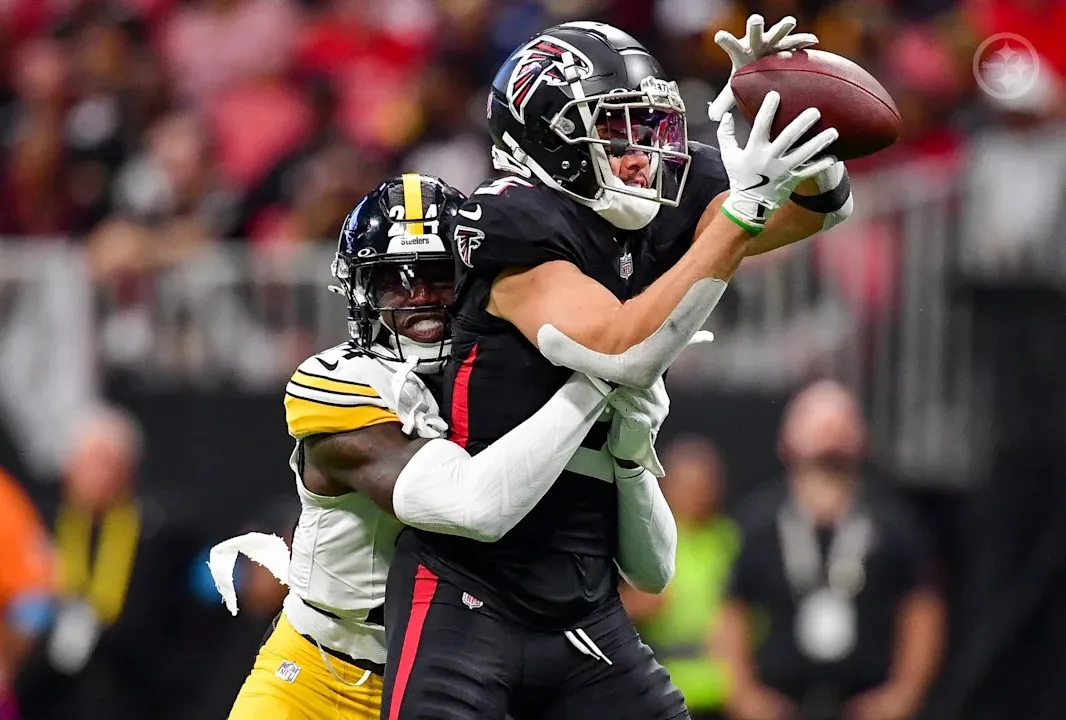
column 647, row 533
column 445, row 490
column 642, row 364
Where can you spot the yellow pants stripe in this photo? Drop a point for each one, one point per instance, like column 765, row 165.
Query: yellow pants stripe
column 291, row 681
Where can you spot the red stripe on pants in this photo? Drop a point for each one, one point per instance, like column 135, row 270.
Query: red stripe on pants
column 460, row 434
column 425, row 589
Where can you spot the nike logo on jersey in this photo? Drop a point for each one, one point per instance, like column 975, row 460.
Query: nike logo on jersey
column 329, row 366
column 765, row 180
column 472, row 215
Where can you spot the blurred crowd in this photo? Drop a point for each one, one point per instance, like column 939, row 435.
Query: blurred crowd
column 813, row 596
column 109, row 610
column 148, row 127
column 146, row 130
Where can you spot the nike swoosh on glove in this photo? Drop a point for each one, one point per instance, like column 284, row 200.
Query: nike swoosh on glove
column 756, row 43
column 638, row 416
column 764, row 173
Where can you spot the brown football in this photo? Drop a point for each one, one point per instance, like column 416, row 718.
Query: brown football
column 849, row 98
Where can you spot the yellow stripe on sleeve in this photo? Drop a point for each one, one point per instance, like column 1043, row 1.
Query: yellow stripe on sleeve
column 340, row 387
column 412, row 202
column 306, row 417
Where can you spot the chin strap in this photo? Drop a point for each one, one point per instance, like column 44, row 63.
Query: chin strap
column 623, row 210
column 505, row 162
column 429, row 358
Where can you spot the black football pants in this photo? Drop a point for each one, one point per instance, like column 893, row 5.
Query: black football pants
column 451, row 657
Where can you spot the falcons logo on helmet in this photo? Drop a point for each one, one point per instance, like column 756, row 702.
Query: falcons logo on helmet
column 467, row 240
column 541, row 61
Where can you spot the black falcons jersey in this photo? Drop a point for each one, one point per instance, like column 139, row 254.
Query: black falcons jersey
column 556, row 567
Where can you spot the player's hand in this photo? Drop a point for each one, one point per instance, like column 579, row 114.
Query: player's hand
column 415, row 405
column 755, row 44
column 764, row 173
column 638, row 415
column 762, row 703
column 882, row 703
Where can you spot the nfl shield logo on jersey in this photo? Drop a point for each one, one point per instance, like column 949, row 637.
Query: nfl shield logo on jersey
column 471, row 602
column 288, row 671
column 625, row 265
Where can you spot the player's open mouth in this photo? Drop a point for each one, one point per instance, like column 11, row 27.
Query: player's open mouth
column 639, row 181
column 423, row 327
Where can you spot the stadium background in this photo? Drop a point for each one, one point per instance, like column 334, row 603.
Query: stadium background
column 174, row 171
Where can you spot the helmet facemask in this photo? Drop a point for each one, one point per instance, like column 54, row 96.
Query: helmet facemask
column 385, row 328
column 650, row 120
column 627, row 123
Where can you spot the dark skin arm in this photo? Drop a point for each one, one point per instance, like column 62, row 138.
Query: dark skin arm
column 640, row 605
column 367, row 460
column 751, row 699
column 14, row 647
column 920, row 622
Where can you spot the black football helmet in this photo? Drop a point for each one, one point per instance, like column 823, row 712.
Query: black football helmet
column 395, row 236
column 577, row 93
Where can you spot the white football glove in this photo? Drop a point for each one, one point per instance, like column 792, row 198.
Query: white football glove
column 763, row 174
column 756, row 44
column 638, row 415
column 415, row 406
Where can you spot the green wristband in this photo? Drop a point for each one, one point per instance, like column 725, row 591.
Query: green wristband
column 753, row 229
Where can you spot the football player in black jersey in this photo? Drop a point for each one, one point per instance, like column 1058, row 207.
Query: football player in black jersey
column 604, row 250
column 369, row 453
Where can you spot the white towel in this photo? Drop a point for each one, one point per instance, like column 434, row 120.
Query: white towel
column 270, row 551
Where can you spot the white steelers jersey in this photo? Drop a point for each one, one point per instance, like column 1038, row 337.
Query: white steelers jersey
column 343, row 545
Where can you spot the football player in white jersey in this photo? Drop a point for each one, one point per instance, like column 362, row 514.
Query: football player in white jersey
column 361, row 413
